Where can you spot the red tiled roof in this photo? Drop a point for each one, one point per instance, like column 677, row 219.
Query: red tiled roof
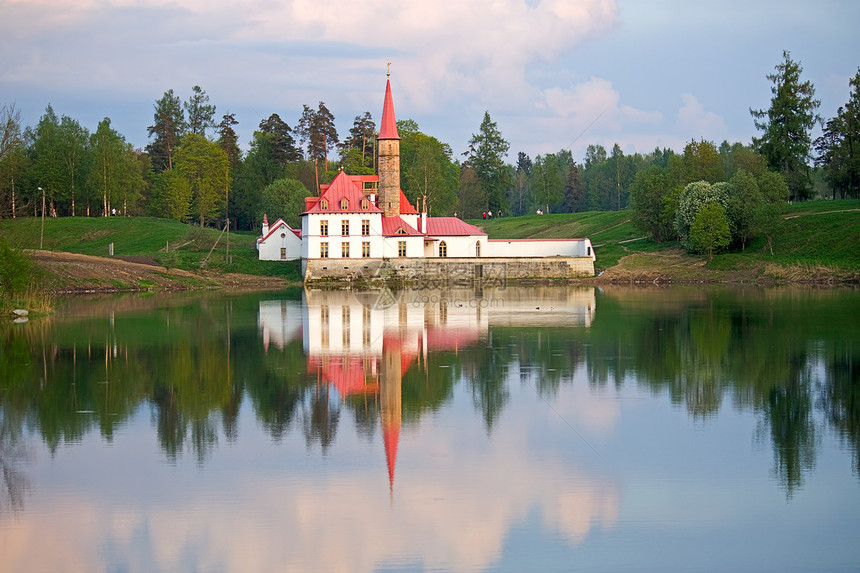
column 451, row 226
column 390, row 226
column 343, row 187
column 388, row 126
column 406, row 207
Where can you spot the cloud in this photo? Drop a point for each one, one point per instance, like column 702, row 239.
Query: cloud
column 453, row 508
column 589, row 111
column 698, row 123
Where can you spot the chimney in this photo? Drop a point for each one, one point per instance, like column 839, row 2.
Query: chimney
column 265, row 225
column 423, row 228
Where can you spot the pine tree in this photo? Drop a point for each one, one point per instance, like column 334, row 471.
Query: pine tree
column 786, row 126
column 201, row 114
column 486, row 155
column 168, row 128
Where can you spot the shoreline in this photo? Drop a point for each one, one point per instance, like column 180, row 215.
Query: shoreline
column 76, row 274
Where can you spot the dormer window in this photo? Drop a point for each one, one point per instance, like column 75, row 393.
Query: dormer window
column 323, row 205
column 401, row 231
column 344, row 204
column 365, row 204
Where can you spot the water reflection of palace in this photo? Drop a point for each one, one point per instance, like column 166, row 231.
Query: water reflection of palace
column 363, row 343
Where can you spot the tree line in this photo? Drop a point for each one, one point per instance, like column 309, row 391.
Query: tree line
column 193, row 169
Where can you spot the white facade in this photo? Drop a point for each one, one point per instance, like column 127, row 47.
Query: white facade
column 334, row 239
column 278, row 242
column 539, row 248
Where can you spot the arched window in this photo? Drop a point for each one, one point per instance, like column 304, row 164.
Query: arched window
column 443, row 249
column 478, row 249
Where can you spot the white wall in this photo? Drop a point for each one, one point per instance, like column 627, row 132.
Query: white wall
column 312, row 238
column 538, row 248
column 414, row 246
column 282, row 237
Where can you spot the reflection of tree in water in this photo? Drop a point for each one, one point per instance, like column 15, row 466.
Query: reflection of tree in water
column 841, row 396
column 788, row 416
column 69, row 379
column 320, row 415
column 485, row 370
column 13, row 454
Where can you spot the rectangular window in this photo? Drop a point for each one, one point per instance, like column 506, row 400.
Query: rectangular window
column 344, row 228
column 401, row 248
column 344, row 250
column 365, row 228
column 323, row 228
column 365, row 249
column 283, row 253
column 323, row 250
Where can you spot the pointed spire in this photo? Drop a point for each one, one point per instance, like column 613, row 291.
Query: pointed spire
column 390, row 438
column 388, row 126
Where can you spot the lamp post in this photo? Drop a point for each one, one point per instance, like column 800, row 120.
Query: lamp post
column 42, row 233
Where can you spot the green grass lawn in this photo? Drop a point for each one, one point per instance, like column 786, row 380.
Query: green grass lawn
column 147, row 237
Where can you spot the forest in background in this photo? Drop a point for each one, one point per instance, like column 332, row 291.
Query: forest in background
column 709, row 196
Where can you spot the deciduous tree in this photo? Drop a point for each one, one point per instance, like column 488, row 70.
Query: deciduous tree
column 116, row 170
column 284, row 198
column 204, row 164
column 710, row 230
column 74, row 149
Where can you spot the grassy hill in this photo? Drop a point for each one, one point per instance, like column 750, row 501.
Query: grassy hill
column 145, row 239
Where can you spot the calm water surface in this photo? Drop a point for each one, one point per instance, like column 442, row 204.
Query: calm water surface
column 539, row 429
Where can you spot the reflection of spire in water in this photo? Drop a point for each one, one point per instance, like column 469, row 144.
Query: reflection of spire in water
column 390, row 382
column 362, row 343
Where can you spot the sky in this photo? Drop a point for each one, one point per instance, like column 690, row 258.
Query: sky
column 553, row 74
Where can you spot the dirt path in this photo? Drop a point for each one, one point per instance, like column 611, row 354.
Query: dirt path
column 75, row 273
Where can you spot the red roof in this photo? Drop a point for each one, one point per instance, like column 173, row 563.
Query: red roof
column 450, row 226
column 388, row 127
column 390, row 226
column 406, row 207
column 343, row 187
column 277, row 225
column 347, row 375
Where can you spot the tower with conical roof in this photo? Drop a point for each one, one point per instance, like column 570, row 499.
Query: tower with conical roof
column 389, row 158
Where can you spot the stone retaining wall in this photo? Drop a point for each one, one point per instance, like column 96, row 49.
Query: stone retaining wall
column 421, row 273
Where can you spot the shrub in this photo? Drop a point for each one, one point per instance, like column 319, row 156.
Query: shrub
column 14, row 271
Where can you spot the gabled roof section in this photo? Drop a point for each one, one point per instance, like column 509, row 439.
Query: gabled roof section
column 393, row 226
column 279, row 224
column 343, row 187
column 451, row 226
column 406, row 207
column 388, row 126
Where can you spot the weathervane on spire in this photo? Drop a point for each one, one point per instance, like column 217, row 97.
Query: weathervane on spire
column 388, row 70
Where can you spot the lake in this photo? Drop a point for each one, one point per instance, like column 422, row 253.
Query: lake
column 469, row 429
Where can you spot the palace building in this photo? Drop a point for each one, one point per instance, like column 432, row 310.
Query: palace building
column 361, row 226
